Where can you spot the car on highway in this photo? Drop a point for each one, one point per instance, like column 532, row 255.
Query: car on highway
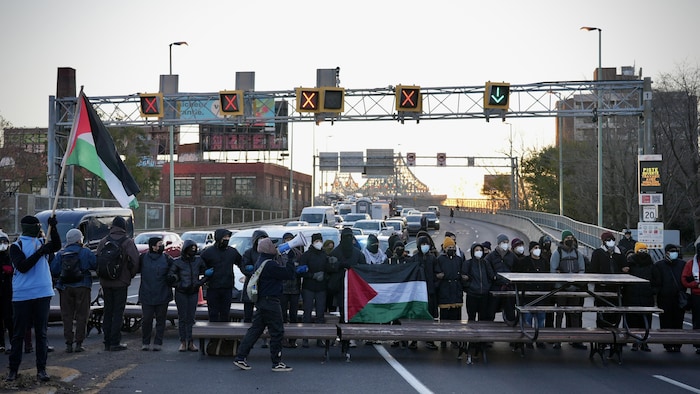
column 203, row 238
column 433, row 220
column 399, row 227
column 172, row 241
column 242, row 240
column 434, row 208
column 373, row 226
column 413, row 224
column 405, row 211
column 350, row 219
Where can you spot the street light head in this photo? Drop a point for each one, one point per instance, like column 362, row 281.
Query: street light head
column 179, row 43
column 589, row 28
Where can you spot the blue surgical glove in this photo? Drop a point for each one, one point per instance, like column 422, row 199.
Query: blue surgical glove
column 302, row 269
column 209, row 272
column 249, row 268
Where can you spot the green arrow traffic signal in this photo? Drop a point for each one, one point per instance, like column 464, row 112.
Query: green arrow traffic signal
column 496, row 95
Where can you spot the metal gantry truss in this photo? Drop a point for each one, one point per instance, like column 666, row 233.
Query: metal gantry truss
column 577, row 98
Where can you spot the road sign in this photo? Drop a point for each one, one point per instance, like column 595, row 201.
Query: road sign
column 151, row 105
column 410, row 159
column 333, row 100
column 308, row 99
column 650, row 213
column 441, row 159
column 231, row 102
column 409, row 99
column 651, row 233
column 651, row 199
column 497, row 95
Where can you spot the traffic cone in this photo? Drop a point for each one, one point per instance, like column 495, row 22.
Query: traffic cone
column 200, row 299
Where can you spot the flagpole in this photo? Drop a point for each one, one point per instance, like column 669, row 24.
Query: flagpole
column 63, row 166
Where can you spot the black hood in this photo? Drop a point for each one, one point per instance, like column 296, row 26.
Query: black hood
column 188, row 244
column 220, row 233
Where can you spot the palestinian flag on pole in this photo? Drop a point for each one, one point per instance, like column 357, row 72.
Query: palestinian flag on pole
column 90, row 146
column 381, row 293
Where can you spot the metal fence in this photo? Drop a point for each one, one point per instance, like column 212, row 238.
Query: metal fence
column 149, row 215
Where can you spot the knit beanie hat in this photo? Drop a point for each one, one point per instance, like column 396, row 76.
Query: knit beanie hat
column 638, row 246
column 566, row 233
column 74, row 236
column 486, row 244
column 533, row 244
column 448, row 242
column 516, row 241
column 153, row 241
column 119, row 222
column 501, row 238
column 30, row 226
column 316, row 237
column 266, row 246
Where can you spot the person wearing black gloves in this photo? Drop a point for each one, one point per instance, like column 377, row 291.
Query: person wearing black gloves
column 32, row 289
column 268, row 312
column 155, row 292
column 184, row 276
column 247, row 263
column 219, row 260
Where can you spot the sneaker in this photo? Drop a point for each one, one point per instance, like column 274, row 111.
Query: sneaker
column 79, row 348
column 145, row 347
column 431, row 345
column 118, row 348
column 192, row 347
column 69, row 348
column 183, row 347
column 556, row 346
column 242, row 364
column 41, row 375
column 281, row 367
column 156, row 348
column 352, row 344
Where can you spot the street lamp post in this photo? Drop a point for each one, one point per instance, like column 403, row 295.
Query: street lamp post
column 560, row 106
column 170, row 48
column 600, row 125
column 171, row 132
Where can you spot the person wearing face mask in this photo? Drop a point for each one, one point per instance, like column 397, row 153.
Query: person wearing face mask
column 399, row 255
column 219, row 260
column 518, row 247
column 115, row 290
column 501, row 259
column 347, row 256
column 74, row 292
column 627, row 242
column 6, row 272
column 184, row 275
column 666, row 281
column 32, row 290
column 372, row 253
column 607, row 259
column 154, row 293
column 312, row 269
column 691, row 280
column 545, row 242
column 534, row 263
column 480, row 277
column 449, row 275
column 640, row 264
column 567, row 259
column 427, row 259
column 247, row 266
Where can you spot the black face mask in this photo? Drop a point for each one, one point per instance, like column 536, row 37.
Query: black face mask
column 450, row 252
column 161, row 249
column 399, row 251
column 223, row 244
column 569, row 242
column 191, row 252
column 374, row 248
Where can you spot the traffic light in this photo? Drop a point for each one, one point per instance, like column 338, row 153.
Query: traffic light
column 409, row 99
column 308, row 100
column 231, row 102
column 151, row 105
column 333, row 100
column 441, row 160
column 497, row 95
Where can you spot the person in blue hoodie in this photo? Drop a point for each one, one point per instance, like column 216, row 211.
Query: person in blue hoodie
column 74, row 294
column 155, row 293
column 32, row 289
column 268, row 312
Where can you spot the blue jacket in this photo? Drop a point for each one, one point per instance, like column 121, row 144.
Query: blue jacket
column 272, row 276
column 88, row 262
column 154, row 289
column 32, row 277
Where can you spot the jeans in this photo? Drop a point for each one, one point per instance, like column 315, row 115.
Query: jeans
column 186, row 309
column 477, row 307
column 290, row 307
column 219, row 304
column 113, row 315
column 159, row 311
column 530, row 318
column 26, row 314
column 268, row 313
column 75, row 305
column 314, row 300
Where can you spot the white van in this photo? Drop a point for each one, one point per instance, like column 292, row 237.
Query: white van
column 321, row 215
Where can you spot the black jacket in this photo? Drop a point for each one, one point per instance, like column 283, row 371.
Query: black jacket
column 222, row 260
column 317, row 261
column 187, row 271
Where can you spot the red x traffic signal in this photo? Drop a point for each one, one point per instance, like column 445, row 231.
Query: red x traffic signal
column 409, row 99
column 308, row 99
column 231, row 102
column 151, row 105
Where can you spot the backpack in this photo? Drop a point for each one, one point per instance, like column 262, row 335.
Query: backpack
column 70, row 268
column 252, row 288
column 110, row 260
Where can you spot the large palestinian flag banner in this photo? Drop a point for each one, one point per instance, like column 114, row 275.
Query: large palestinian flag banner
column 381, row 293
column 90, row 146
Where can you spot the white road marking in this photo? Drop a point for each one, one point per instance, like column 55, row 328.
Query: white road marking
column 407, row 376
column 677, row 384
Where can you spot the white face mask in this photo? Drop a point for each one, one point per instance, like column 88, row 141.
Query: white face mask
column 3, row 247
column 610, row 244
column 536, row 252
column 519, row 249
column 424, row 249
column 505, row 246
column 673, row 255
column 318, row 245
column 478, row 254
